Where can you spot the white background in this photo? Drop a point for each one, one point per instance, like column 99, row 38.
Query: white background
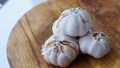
column 10, row 13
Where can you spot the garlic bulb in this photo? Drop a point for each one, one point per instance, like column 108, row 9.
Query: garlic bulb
column 60, row 50
column 96, row 44
column 72, row 22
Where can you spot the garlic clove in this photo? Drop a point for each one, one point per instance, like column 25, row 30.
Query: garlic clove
column 66, row 57
column 63, row 60
column 96, row 44
column 72, row 22
column 62, row 50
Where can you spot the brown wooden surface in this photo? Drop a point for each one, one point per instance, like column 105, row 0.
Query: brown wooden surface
column 34, row 28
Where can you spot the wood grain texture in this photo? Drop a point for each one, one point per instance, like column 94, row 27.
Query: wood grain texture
column 34, row 28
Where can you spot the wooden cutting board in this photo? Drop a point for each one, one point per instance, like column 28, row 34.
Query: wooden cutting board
column 34, row 28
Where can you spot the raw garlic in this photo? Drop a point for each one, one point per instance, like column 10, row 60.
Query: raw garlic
column 96, row 44
column 72, row 22
column 60, row 50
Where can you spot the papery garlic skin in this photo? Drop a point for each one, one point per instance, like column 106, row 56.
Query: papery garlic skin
column 72, row 22
column 60, row 50
column 96, row 44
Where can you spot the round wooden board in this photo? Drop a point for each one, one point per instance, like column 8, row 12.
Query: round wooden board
column 34, row 28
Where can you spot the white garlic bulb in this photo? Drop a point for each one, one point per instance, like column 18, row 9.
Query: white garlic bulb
column 60, row 50
column 72, row 22
column 96, row 44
